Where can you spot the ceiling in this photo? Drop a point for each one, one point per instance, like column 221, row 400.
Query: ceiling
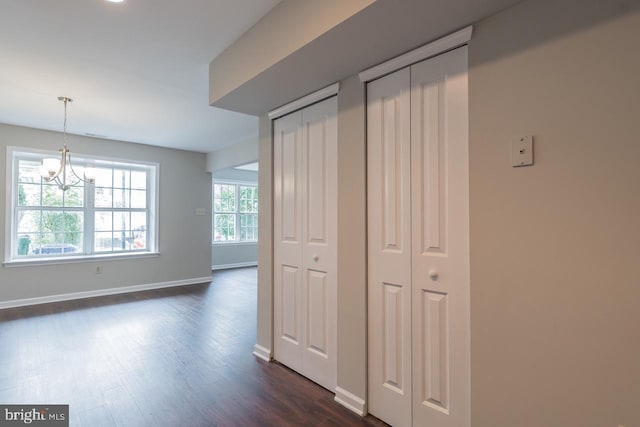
column 137, row 71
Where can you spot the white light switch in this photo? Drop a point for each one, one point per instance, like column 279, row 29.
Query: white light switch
column 201, row 212
column 522, row 151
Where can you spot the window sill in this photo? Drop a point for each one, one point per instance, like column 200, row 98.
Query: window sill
column 244, row 242
column 79, row 259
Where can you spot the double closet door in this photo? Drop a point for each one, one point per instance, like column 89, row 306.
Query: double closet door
column 418, row 248
column 305, row 241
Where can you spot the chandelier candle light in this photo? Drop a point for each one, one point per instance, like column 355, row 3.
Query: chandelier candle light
column 56, row 171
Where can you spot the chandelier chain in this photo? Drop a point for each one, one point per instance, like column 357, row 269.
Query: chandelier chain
column 64, row 131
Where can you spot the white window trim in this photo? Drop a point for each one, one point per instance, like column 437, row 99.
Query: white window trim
column 80, row 259
column 10, row 184
column 236, row 213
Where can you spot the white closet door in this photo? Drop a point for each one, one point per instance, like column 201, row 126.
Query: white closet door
column 418, row 213
column 287, row 228
column 305, row 241
column 440, row 228
column 319, row 258
column 389, row 262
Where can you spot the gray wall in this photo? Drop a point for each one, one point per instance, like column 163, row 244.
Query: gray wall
column 290, row 25
column 232, row 255
column 352, row 238
column 264, row 331
column 184, row 238
column 234, row 155
column 555, row 277
column 236, row 175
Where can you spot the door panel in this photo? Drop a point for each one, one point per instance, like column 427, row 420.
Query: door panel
column 316, row 191
column 290, row 181
column 440, row 222
column 288, row 287
column 389, row 254
column 317, row 315
column 289, row 298
column 433, row 178
column 319, row 252
column 393, row 321
column 435, row 348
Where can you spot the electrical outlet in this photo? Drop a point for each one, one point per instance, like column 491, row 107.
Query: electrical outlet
column 99, row 269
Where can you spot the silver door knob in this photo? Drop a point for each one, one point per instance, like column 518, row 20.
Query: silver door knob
column 433, row 274
column 316, row 257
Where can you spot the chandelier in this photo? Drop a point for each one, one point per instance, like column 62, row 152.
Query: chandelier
column 60, row 169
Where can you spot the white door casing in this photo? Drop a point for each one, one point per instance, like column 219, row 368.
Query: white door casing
column 305, row 282
column 389, row 253
column 425, row 275
column 440, row 229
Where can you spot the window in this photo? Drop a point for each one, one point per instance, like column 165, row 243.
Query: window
column 248, row 212
column 235, row 212
column 114, row 216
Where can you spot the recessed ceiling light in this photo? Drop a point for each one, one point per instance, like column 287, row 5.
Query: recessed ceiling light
column 115, row 1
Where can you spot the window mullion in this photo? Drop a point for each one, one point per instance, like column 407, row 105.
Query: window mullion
column 89, row 219
column 237, row 239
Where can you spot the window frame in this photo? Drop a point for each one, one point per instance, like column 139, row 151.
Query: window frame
column 237, row 214
column 15, row 154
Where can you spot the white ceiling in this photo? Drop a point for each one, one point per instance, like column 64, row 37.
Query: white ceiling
column 137, row 71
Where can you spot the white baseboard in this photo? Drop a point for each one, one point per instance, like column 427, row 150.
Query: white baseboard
column 234, row 265
column 262, row 353
column 351, row 401
column 101, row 292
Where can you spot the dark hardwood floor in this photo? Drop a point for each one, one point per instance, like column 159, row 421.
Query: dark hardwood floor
column 169, row 357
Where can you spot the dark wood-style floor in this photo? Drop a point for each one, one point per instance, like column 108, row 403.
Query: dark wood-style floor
column 169, row 357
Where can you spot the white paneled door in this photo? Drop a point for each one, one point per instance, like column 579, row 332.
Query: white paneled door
column 419, row 367
column 305, row 241
column 440, row 229
column 389, row 233
column 287, row 228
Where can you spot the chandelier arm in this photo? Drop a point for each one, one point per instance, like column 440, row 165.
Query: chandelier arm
column 87, row 181
column 60, row 169
column 73, row 184
column 56, row 181
column 61, row 184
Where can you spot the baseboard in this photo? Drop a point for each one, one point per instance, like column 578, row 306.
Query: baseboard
column 262, row 353
column 351, row 401
column 101, row 292
column 234, row 265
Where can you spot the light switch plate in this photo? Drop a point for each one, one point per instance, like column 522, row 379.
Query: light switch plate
column 522, row 151
column 201, row 212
